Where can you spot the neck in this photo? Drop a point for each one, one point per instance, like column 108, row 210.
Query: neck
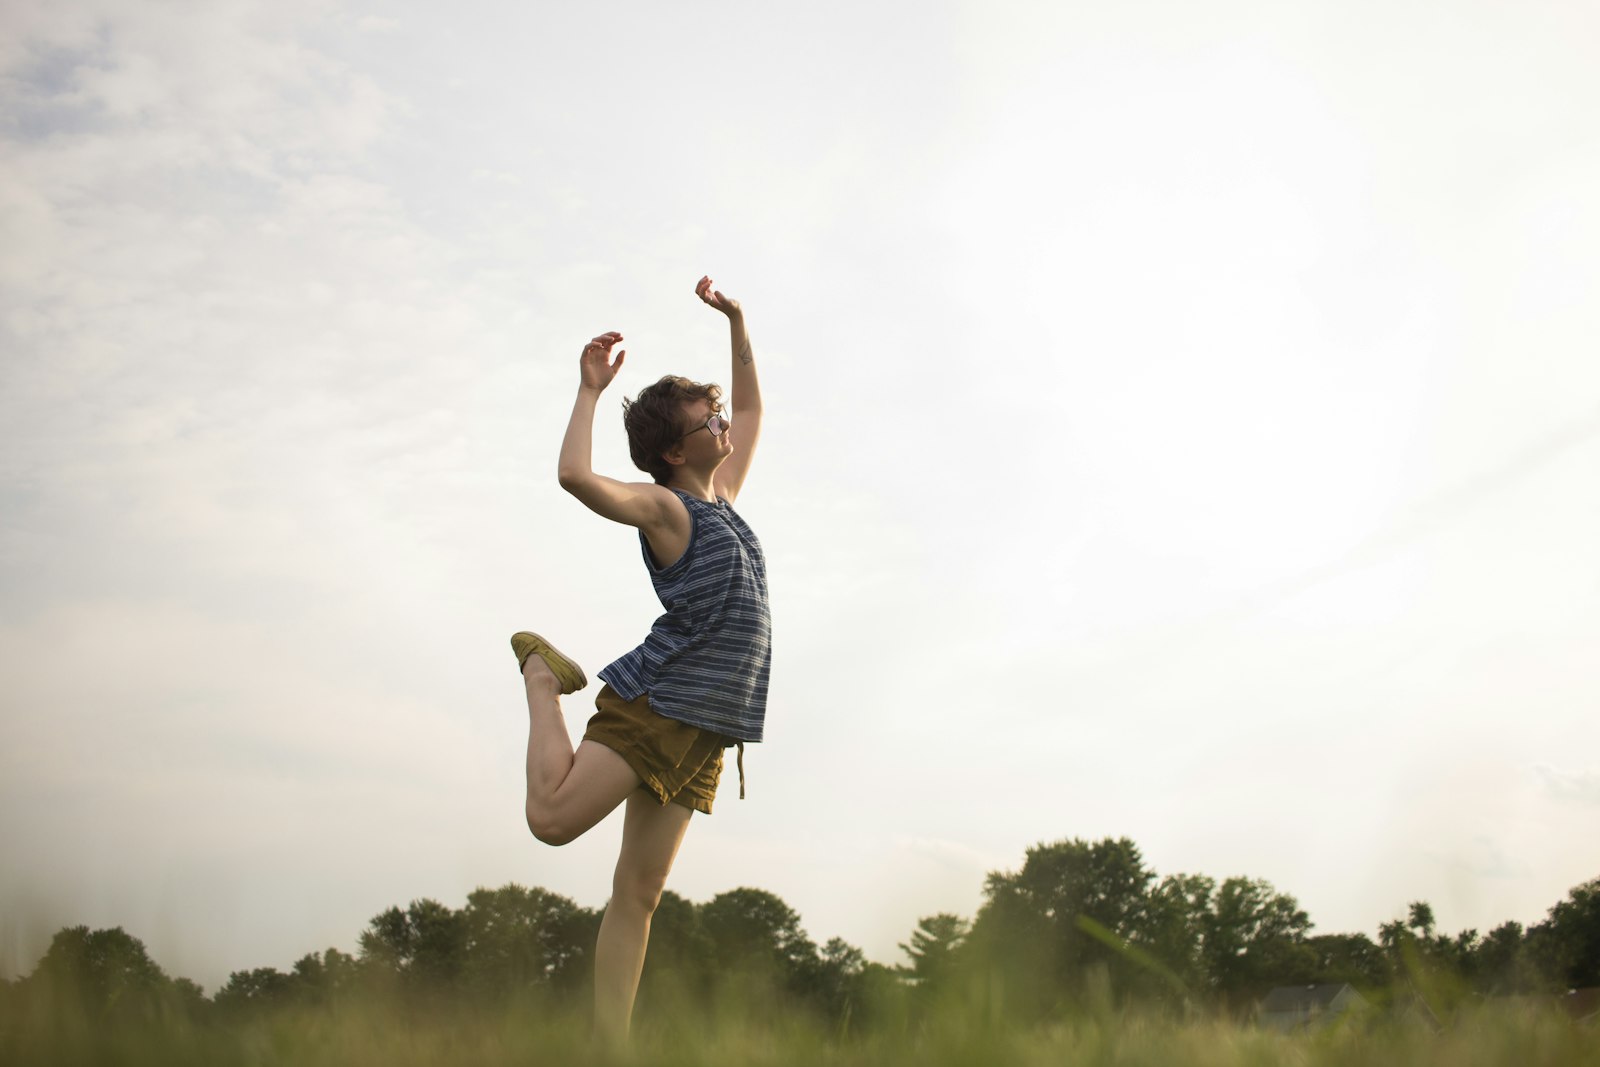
column 695, row 483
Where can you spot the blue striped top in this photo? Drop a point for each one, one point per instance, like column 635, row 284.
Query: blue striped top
column 707, row 660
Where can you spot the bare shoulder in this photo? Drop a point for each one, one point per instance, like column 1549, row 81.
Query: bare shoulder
column 669, row 537
column 669, row 505
column 663, row 511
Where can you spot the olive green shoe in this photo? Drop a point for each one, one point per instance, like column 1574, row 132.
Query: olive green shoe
column 568, row 673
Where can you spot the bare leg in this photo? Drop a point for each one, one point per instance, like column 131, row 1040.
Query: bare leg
column 651, row 834
column 568, row 792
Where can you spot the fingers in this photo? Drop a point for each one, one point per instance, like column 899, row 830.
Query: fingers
column 602, row 343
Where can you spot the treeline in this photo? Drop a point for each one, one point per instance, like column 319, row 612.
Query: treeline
column 1085, row 920
column 1078, row 924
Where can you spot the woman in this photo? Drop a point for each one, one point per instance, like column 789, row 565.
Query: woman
column 698, row 682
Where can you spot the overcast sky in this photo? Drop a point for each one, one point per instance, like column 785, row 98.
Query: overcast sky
column 1183, row 422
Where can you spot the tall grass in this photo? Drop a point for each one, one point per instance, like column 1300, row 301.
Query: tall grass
column 375, row 1032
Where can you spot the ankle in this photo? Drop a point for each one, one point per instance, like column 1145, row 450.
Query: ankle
column 539, row 678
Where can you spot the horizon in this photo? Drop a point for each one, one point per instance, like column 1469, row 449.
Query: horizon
column 353, row 948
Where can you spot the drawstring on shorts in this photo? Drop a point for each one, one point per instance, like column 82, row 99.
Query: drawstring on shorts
column 741, row 770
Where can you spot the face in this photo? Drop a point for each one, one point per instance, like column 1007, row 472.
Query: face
column 698, row 444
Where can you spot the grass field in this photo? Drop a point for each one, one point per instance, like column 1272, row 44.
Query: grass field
column 356, row 1036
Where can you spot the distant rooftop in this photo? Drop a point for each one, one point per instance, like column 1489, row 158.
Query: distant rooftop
column 1302, row 997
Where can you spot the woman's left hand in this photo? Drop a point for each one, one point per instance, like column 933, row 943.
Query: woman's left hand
column 725, row 304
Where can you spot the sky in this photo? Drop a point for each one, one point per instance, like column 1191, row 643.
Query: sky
column 1182, row 423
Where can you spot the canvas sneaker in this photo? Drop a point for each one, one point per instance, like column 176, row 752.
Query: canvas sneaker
column 568, row 673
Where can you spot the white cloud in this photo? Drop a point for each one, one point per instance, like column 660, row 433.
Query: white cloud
column 1098, row 357
column 1478, row 857
column 1570, row 786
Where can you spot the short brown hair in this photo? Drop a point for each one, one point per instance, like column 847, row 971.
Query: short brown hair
column 654, row 421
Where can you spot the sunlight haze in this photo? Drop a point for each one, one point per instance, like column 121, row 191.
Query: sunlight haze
column 1182, row 423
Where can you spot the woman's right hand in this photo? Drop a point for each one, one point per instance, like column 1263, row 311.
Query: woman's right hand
column 596, row 365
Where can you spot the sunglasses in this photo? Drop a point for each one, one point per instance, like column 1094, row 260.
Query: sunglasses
column 716, row 424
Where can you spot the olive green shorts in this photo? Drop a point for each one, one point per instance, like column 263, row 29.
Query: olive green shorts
column 679, row 763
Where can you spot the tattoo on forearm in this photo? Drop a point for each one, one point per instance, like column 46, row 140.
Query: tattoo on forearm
column 745, row 355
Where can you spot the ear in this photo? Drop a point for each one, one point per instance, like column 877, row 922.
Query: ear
column 674, row 455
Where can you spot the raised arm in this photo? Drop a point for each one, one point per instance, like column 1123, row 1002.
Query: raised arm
column 745, row 390
column 641, row 504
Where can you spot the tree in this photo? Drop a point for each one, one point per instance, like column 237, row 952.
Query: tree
column 1068, row 912
column 517, row 938
column 754, row 928
column 680, row 964
column 256, row 989
column 104, row 974
column 438, row 943
column 1352, row 958
column 1430, row 969
column 1567, row 943
column 758, row 949
column 1413, row 947
column 386, row 943
column 1174, row 931
column 1497, row 967
column 423, row 946
column 1250, row 937
column 834, row 984
column 322, row 979
column 933, row 950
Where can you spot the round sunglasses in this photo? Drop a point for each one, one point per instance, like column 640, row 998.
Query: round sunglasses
column 716, row 424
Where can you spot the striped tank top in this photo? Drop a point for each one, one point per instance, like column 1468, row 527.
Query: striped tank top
column 707, row 660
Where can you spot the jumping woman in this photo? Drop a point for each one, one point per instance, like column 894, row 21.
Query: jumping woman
column 697, row 685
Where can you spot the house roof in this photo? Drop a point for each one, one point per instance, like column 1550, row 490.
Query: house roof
column 1578, row 1003
column 1582, row 1003
column 1302, row 997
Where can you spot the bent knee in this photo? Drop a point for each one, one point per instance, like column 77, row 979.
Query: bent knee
column 550, row 830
